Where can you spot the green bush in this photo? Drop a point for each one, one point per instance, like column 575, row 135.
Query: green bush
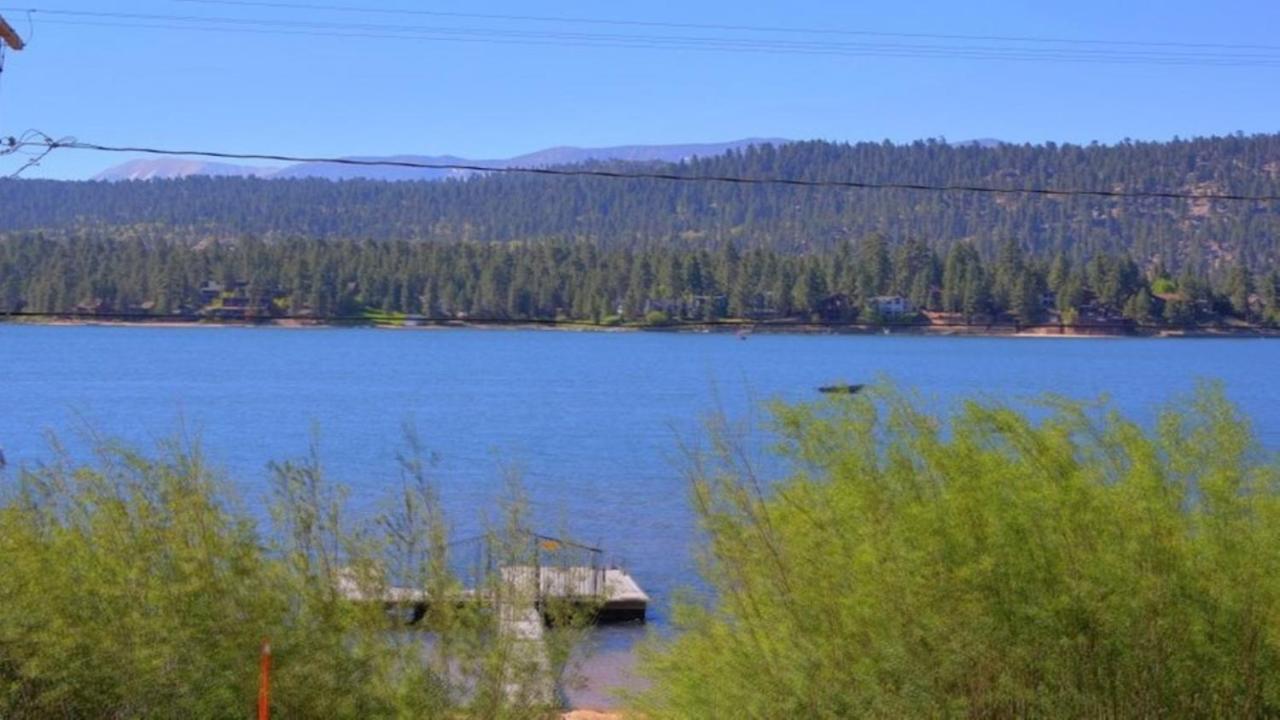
column 1163, row 286
column 137, row 587
column 656, row 317
column 992, row 566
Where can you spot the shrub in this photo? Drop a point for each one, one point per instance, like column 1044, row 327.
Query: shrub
column 992, row 566
column 137, row 587
column 656, row 317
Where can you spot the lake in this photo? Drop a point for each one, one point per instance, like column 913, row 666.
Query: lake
column 592, row 422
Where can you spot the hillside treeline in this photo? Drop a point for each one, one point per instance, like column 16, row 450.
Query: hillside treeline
column 852, row 282
column 638, row 214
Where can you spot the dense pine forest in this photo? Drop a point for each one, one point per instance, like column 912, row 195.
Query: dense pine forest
column 644, row 213
column 606, row 250
column 870, row 281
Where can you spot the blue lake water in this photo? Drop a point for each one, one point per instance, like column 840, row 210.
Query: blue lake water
column 591, row 422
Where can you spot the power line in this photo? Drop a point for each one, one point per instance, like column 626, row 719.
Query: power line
column 658, row 42
column 642, row 44
column 721, row 26
column 3, row 151
column 50, row 145
column 30, row 139
column 400, row 29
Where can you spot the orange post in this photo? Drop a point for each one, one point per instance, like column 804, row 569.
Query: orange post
column 264, row 684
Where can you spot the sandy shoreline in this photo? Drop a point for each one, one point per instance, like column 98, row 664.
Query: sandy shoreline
column 745, row 329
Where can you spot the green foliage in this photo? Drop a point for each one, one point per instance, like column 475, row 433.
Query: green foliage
column 992, row 566
column 656, row 317
column 385, row 282
column 136, row 587
column 1163, row 286
column 126, row 588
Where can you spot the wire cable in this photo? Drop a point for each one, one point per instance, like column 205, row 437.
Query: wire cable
column 659, row 42
column 719, row 26
column 71, row 144
column 2, row 57
column 400, row 29
column 31, row 139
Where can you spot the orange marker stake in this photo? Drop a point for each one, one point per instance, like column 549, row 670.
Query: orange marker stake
column 264, row 685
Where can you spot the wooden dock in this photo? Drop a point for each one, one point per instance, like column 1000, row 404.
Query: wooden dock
column 610, row 593
column 523, row 573
column 526, row 597
column 528, row 583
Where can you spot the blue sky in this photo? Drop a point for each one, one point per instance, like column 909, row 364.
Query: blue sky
column 298, row 94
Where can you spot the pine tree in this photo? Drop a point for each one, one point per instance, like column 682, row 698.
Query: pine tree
column 1238, row 289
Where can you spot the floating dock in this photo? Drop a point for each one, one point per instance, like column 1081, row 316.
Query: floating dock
column 565, row 572
column 538, row 582
column 610, row 593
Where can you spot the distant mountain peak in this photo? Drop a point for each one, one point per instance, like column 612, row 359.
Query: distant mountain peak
column 169, row 168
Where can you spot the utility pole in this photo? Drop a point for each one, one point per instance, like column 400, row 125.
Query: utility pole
column 10, row 37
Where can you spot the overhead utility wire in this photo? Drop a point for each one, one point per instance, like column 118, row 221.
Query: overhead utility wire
column 724, row 44
column 30, row 139
column 648, row 45
column 644, row 45
column 3, row 151
column 786, row 44
column 718, row 26
column 72, row 144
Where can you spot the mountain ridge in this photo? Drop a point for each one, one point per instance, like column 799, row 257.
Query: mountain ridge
column 1172, row 233
column 173, row 168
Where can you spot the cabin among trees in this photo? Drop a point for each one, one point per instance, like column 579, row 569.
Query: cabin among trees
column 869, row 281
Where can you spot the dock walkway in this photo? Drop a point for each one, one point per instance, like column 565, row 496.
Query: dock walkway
column 522, row 605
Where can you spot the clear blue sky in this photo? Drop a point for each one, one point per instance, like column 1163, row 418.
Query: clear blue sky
column 328, row 96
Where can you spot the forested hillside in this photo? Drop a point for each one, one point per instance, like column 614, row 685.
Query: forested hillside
column 631, row 214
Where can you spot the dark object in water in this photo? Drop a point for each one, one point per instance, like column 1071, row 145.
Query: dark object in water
column 840, row 389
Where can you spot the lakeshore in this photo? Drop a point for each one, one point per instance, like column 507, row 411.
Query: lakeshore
column 743, row 328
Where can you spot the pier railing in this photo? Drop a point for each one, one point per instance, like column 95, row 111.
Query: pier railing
column 544, row 566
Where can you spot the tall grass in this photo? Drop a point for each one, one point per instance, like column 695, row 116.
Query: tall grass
column 984, row 565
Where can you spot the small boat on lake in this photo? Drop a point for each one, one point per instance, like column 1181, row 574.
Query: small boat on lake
column 842, row 389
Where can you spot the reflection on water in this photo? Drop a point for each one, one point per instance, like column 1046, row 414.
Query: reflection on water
column 604, row 665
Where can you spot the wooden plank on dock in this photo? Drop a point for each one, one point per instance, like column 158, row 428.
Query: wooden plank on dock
column 612, row 587
column 613, row 592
